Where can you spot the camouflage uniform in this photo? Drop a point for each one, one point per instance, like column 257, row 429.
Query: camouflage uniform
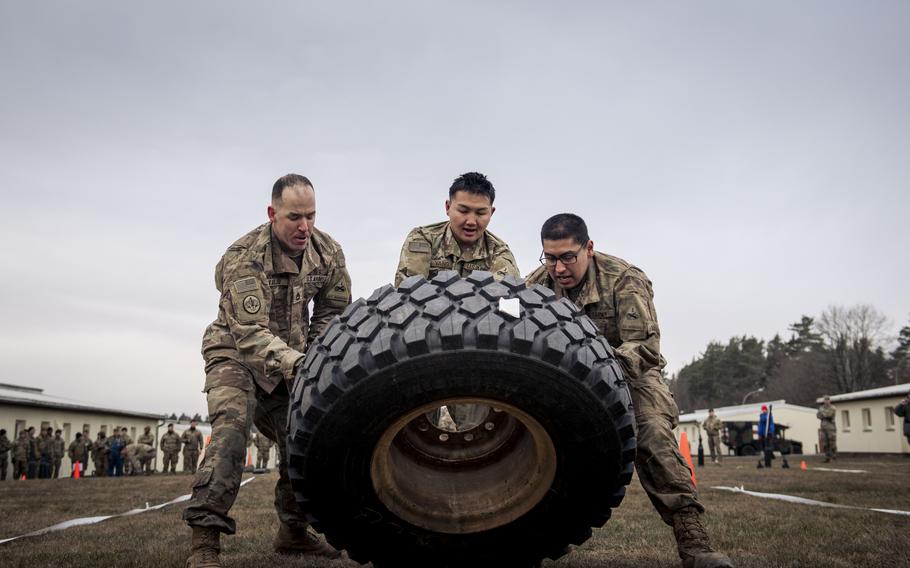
column 34, row 456
column 77, row 453
column 46, row 456
column 139, row 456
column 20, row 455
column 619, row 300
column 263, row 450
column 100, row 456
column 432, row 248
column 170, row 447
column 827, row 431
column 148, row 439
column 5, row 446
column 58, row 450
column 192, row 444
column 251, row 352
column 713, row 426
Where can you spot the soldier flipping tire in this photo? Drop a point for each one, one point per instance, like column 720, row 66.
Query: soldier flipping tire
column 547, row 459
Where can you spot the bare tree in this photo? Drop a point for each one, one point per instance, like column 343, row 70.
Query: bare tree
column 852, row 336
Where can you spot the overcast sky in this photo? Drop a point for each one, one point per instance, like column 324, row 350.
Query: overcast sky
column 753, row 159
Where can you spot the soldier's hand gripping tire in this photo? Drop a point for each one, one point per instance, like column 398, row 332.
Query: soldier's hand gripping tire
column 542, row 453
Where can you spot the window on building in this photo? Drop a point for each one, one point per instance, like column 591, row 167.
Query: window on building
column 45, row 426
column 67, row 427
column 867, row 420
column 889, row 418
column 103, row 428
column 87, row 429
column 845, row 420
column 133, row 433
column 20, row 426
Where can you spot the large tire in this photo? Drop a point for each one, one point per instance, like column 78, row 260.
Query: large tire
column 549, row 459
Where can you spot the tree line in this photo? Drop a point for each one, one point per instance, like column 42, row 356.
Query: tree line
column 842, row 350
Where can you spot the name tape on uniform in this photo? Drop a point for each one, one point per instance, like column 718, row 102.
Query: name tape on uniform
column 804, row 501
column 93, row 520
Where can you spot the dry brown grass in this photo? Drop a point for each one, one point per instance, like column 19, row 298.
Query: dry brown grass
column 755, row 532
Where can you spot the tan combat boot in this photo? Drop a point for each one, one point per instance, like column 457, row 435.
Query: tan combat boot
column 206, row 547
column 302, row 541
column 693, row 542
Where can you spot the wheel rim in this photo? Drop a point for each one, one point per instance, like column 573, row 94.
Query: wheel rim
column 463, row 480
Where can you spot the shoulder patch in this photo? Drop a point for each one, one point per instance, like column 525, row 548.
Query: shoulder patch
column 419, row 246
column 246, row 285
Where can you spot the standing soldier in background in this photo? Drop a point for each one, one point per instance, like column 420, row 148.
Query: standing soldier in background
column 713, row 426
column 34, row 454
column 901, row 410
column 58, row 446
column 252, row 352
column 620, row 302
column 170, row 447
column 20, row 455
column 99, row 455
column 263, row 449
column 148, row 439
column 46, row 453
column 827, row 430
column 5, row 446
column 87, row 442
column 192, row 444
column 77, row 455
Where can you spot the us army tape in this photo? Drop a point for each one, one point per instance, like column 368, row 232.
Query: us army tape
column 94, row 520
column 804, row 501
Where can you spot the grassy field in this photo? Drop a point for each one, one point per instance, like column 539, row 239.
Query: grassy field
column 755, row 532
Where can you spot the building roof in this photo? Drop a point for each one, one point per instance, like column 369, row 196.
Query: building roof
column 881, row 392
column 752, row 408
column 29, row 396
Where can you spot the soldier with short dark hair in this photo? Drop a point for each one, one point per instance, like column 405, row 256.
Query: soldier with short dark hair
column 77, row 455
column 827, row 430
column 46, row 453
column 34, row 453
column 192, row 444
column 5, row 446
column 901, row 410
column 20, row 455
column 170, row 448
column 58, row 450
column 252, row 352
column 148, row 439
column 619, row 299
column 713, row 427
column 100, row 455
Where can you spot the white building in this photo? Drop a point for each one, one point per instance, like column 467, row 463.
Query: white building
column 866, row 422
column 802, row 425
column 23, row 407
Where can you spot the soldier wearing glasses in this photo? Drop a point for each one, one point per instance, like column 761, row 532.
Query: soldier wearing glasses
column 619, row 300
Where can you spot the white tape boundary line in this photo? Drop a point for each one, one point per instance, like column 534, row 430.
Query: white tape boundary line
column 93, row 520
column 804, row 501
column 839, row 470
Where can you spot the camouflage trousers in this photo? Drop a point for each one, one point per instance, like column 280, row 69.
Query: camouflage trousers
column 100, row 466
column 235, row 402
column 714, row 446
column 4, row 465
column 662, row 471
column 262, row 459
column 190, row 460
column 20, row 468
column 827, row 438
column 170, row 461
column 57, row 463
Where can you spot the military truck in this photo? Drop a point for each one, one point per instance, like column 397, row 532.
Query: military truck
column 741, row 437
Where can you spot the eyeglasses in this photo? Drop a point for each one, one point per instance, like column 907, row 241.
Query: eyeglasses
column 567, row 258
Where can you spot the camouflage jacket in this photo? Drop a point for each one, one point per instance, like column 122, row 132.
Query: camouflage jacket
column 142, row 452
column 77, row 451
column 58, row 448
column 46, row 447
column 147, row 439
column 620, row 301
column 20, row 449
column 427, row 250
column 713, row 425
column 99, row 448
column 192, row 440
column 170, row 442
column 826, row 414
column 5, row 446
column 263, row 444
column 263, row 317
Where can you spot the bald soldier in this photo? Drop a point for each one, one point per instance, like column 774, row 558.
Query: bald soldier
column 252, row 350
column 462, row 243
column 619, row 300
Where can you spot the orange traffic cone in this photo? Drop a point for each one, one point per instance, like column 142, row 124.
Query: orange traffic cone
column 687, row 453
column 802, row 465
column 22, row 478
column 76, row 467
column 249, row 458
